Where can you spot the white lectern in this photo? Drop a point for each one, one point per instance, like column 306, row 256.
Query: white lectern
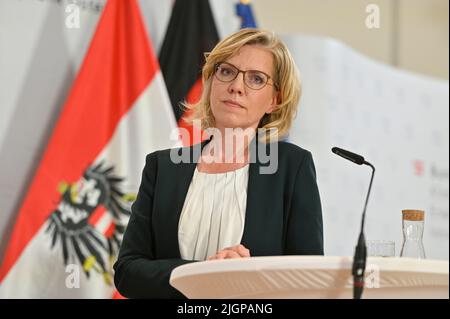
column 311, row 277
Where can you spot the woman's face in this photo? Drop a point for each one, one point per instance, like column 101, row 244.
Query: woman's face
column 233, row 103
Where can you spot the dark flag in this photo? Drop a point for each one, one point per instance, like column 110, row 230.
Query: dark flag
column 191, row 33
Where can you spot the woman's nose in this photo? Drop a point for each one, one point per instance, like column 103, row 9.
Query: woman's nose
column 237, row 85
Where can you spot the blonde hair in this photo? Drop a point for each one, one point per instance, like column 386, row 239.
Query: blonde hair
column 285, row 77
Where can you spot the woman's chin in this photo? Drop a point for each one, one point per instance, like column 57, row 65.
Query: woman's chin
column 230, row 124
column 229, row 120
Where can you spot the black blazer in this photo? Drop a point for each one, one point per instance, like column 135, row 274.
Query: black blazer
column 283, row 217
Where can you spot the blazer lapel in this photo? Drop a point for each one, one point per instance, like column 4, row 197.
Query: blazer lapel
column 182, row 177
column 252, row 227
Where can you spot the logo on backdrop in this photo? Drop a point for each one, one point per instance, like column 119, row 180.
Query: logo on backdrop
column 90, row 220
column 419, row 167
column 90, row 5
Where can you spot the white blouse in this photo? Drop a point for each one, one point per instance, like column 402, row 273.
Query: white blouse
column 213, row 214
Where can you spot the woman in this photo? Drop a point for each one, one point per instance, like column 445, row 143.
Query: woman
column 226, row 202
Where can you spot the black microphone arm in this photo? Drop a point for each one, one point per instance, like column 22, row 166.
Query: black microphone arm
column 360, row 257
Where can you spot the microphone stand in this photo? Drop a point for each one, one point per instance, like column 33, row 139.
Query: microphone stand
column 360, row 257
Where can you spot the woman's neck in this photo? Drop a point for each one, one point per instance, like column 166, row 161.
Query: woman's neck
column 229, row 145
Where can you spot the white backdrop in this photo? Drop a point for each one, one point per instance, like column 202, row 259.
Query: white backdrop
column 398, row 121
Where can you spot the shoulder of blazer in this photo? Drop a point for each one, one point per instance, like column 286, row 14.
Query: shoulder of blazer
column 292, row 150
column 292, row 155
column 165, row 158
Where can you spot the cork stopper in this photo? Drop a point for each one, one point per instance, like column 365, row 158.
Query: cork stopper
column 413, row 214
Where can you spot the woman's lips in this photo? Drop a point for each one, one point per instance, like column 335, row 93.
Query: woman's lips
column 233, row 104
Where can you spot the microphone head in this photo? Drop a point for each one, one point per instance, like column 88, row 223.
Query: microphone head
column 355, row 158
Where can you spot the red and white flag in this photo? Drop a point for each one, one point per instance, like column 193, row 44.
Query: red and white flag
column 71, row 222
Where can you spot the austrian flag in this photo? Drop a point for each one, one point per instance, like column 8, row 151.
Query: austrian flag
column 73, row 216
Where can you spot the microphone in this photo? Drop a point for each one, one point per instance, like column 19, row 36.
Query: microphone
column 360, row 257
column 355, row 158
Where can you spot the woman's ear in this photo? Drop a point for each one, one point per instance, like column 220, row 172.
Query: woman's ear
column 274, row 102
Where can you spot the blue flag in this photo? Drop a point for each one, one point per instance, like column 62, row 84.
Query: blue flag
column 244, row 10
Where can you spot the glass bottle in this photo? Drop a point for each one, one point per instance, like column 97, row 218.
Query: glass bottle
column 413, row 223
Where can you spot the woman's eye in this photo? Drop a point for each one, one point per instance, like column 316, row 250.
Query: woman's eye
column 257, row 79
column 225, row 71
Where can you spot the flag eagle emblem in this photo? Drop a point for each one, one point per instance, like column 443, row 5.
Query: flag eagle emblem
column 71, row 225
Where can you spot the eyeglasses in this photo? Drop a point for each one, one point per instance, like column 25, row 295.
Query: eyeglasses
column 253, row 79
